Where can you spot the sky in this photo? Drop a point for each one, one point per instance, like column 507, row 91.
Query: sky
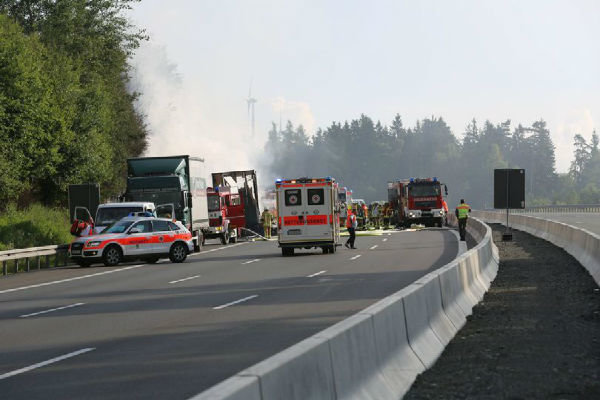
column 314, row 62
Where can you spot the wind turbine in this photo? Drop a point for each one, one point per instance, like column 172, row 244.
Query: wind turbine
column 251, row 101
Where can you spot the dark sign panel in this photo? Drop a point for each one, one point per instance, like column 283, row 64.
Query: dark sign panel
column 86, row 195
column 509, row 188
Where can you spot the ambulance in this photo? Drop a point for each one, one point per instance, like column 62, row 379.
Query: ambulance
column 308, row 212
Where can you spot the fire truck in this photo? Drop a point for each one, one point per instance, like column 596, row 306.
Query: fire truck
column 308, row 212
column 417, row 201
column 232, row 206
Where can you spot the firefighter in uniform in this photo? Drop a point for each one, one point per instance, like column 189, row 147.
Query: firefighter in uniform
column 351, row 224
column 267, row 219
column 462, row 214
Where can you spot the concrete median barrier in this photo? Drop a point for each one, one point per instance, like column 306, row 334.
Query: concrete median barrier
column 377, row 353
column 424, row 342
column 234, row 388
column 356, row 367
column 582, row 244
column 439, row 321
column 399, row 363
column 300, row 372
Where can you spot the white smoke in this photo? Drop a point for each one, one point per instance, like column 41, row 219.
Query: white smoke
column 182, row 120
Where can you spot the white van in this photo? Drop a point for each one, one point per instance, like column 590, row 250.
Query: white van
column 110, row 212
column 308, row 212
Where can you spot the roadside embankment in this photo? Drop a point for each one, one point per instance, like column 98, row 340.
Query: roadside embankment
column 536, row 334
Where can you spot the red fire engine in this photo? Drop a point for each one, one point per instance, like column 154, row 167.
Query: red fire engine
column 232, row 206
column 417, row 201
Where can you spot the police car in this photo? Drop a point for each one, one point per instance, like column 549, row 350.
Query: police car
column 134, row 238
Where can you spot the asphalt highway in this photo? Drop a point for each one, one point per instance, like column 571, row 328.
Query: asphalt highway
column 173, row 330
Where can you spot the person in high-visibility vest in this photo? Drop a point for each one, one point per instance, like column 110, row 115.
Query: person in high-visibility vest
column 462, row 213
column 351, row 224
column 267, row 219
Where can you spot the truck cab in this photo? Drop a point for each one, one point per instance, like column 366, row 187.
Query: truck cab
column 221, row 209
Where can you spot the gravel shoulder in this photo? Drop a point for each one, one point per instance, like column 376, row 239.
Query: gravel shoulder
column 535, row 335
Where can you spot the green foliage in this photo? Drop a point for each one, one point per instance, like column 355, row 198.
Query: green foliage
column 66, row 115
column 35, row 226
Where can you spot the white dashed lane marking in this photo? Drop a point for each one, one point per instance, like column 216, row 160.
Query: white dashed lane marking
column 251, row 261
column 44, row 363
column 355, row 257
column 235, row 302
column 385, row 239
column 316, row 274
column 51, row 310
column 185, row 279
column 373, row 247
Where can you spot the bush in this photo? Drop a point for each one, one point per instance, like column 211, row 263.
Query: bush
column 35, row 226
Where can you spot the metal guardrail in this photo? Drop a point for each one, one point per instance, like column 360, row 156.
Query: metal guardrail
column 14, row 257
column 573, row 208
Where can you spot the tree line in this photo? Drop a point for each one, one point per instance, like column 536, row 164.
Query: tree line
column 66, row 114
column 364, row 155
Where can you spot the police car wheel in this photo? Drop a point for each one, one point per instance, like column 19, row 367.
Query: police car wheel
column 178, row 253
column 112, row 256
column 326, row 250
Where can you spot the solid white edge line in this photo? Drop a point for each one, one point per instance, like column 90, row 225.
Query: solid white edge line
column 185, row 279
column 51, row 310
column 374, row 247
column 235, row 302
column 224, row 247
column 69, row 279
column 316, row 274
column 355, row 257
column 44, row 363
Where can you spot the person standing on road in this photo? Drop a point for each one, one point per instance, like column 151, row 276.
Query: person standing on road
column 267, row 219
column 462, row 214
column 351, row 224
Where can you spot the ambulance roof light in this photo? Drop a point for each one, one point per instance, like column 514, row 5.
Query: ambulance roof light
column 434, row 179
column 412, row 180
column 278, row 180
column 328, row 178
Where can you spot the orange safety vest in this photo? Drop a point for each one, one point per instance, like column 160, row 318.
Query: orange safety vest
column 350, row 220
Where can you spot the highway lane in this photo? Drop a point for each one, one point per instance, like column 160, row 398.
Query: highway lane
column 589, row 221
column 170, row 331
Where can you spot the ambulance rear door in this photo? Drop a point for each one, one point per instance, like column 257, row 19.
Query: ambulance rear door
column 291, row 210
column 319, row 211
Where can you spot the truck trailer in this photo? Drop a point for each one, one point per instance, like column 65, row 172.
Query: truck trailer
column 177, row 184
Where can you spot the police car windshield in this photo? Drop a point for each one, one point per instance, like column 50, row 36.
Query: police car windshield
column 108, row 215
column 118, row 227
